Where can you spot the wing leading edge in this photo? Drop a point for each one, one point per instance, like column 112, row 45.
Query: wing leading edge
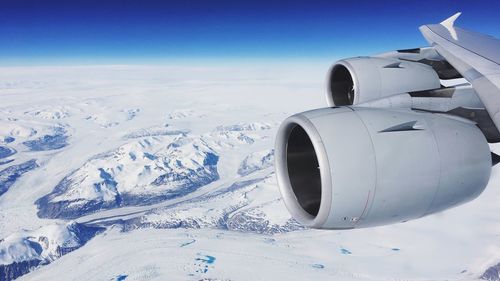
column 474, row 55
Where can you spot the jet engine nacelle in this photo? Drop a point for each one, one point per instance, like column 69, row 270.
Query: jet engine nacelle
column 342, row 168
column 357, row 80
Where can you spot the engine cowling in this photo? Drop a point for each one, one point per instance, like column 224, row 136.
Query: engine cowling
column 357, row 80
column 342, row 168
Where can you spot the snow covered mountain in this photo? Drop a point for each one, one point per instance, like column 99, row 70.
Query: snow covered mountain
column 256, row 161
column 141, row 172
column 8, row 176
column 23, row 251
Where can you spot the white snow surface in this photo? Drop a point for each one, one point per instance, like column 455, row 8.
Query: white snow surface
column 108, row 112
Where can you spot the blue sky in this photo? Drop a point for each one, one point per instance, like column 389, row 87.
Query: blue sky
column 38, row 32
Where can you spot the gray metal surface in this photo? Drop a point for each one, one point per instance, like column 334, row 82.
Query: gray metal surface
column 475, row 56
column 369, row 167
column 357, row 80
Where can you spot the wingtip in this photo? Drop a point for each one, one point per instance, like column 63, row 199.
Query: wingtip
column 450, row 22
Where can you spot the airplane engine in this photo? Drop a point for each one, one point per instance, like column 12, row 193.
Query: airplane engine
column 357, row 80
column 348, row 167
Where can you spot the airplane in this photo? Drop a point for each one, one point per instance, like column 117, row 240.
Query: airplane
column 395, row 144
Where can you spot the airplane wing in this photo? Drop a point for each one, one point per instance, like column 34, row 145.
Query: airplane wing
column 475, row 56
